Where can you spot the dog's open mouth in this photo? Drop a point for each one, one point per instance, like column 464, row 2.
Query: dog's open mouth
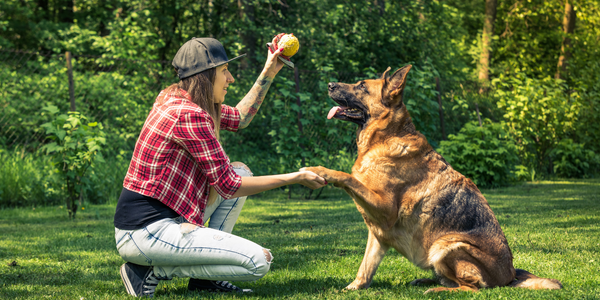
column 346, row 113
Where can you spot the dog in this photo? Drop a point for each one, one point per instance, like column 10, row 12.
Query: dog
column 412, row 200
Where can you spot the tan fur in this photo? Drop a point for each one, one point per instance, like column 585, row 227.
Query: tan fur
column 413, row 201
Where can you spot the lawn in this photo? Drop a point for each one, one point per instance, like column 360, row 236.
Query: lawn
column 553, row 228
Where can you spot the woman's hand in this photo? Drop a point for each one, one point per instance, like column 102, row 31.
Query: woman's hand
column 273, row 65
column 310, row 179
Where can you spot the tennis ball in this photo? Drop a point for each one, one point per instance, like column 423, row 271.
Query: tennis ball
column 290, row 44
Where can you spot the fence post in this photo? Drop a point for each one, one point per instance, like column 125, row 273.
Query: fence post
column 299, row 103
column 441, row 110
column 478, row 115
column 71, row 83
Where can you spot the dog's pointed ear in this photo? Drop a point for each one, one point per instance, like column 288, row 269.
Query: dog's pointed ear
column 394, row 86
column 384, row 75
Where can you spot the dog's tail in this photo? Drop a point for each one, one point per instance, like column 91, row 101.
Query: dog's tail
column 527, row 280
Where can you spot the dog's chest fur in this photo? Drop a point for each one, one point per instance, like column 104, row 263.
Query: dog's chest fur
column 392, row 168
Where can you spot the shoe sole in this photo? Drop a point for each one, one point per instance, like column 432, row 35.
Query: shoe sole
column 126, row 282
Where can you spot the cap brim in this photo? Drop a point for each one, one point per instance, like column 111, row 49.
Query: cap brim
column 230, row 60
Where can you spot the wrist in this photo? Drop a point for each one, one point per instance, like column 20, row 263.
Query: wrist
column 266, row 72
column 295, row 177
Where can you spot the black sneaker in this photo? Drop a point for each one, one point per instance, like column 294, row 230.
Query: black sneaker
column 214, row 286
column 139, row 280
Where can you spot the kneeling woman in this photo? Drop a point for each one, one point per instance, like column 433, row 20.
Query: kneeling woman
column 179, row 177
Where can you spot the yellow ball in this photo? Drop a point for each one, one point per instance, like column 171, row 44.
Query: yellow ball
column 290, row 44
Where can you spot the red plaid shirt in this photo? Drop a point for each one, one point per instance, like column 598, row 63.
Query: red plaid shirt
column 178, row 156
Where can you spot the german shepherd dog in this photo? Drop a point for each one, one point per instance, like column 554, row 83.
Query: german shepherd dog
column 412, row 200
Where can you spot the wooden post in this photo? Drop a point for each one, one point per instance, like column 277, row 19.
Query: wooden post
column 71, row 84
column 299, row 103
column 478, row 115
column 441, row 110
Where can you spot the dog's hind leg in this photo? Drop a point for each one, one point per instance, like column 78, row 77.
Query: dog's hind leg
column 459, row 272
column 373, row 255
column 454, row 263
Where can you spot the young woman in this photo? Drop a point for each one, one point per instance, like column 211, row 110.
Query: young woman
column 180, row 177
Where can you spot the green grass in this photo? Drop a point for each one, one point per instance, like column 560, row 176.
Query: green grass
column 553, row 228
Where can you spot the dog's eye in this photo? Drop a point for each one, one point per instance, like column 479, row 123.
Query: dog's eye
column 362, row 86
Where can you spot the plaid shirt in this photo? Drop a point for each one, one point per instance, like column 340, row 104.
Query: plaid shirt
column 177, row 156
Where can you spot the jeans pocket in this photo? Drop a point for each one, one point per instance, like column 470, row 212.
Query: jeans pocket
column 129, row 250
column 122, row 237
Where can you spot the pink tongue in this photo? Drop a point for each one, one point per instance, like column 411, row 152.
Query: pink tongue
column 332, row 112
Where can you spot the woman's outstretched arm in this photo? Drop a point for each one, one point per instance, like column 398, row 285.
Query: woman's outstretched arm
column 249, row 105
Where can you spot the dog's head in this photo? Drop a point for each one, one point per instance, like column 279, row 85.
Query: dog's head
column 368, row 100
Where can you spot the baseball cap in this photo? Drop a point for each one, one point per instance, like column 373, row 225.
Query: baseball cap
column 200, row 54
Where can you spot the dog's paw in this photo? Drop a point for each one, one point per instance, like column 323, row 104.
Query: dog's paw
column 356, row 285
column 337, row 178
column 321, row 171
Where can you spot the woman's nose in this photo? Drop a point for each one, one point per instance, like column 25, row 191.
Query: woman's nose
column 230, row 78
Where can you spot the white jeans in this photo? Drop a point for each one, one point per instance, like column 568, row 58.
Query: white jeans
column 177, row 248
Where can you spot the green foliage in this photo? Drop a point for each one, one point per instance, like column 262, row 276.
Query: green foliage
column 538, row 114
column 122, row 52
column 27, row 180
column 529, row 37
column 420, row 98
column 572, row 160
column 76, row 147
column 486, row 155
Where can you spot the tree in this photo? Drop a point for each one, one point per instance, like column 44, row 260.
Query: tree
column 565, row 50
column 486, row 41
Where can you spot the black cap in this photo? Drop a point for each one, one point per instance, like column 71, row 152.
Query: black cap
column 199, row 54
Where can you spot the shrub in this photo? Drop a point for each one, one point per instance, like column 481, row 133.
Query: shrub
column 75, row 148
column 572, row 160
column 27, row 180
column 537, row 113
column 485, row 154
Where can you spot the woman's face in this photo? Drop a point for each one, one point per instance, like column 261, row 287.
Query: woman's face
column 222, row 80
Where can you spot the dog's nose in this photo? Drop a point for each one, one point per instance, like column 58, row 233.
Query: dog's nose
column 332, row 86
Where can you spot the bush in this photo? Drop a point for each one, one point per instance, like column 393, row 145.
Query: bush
column 485, row 154
column 537, row 113
column 75, row 149
column 572, row 160
column 27, row 180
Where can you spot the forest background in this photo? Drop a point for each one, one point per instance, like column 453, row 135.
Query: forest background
column 506, row 91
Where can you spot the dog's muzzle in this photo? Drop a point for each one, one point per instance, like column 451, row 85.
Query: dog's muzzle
column 332, row 86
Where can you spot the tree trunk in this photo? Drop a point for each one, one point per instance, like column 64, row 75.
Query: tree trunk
column 43, row 5
column 65, row 11
column 246, row 14
column 565, row 50
column 486, row 41
column 381, row 5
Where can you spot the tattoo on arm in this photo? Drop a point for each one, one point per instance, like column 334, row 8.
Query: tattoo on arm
column 248, row 107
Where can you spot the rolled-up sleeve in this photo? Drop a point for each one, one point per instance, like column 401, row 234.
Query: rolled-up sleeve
column 194, row 132
column 230, row 118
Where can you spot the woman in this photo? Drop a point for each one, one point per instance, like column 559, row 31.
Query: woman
column 180, row 177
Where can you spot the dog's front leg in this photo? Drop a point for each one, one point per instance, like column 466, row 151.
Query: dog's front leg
column 379, row 210
column 373, row 256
